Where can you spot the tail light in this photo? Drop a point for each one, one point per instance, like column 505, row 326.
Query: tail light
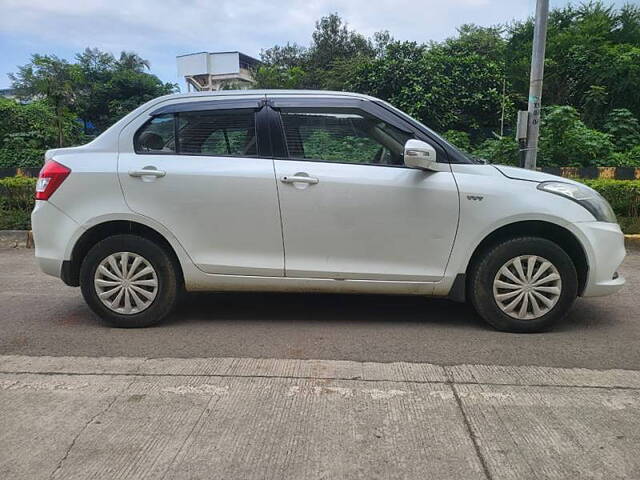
column 51, row 177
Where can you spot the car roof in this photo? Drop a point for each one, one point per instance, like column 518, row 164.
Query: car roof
column 267, row 92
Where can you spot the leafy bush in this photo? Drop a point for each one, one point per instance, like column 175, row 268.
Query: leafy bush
column 623, row 195
column 504, row 151
column 623, row 128
column 566, row 141
column 15, row 219
column 630, row 225
column 462, row 140
column 630, row 158
column 27, row 131
column 16, row 202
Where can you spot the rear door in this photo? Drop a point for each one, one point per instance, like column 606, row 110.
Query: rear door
column 350, row 208
column 203, row 170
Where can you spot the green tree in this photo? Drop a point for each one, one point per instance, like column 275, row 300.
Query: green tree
column 332, row 40
column 589, row 45
column 133, row 61
column 274, row 76
column 111, row 88
column 54, row 80
column 462, row 140
column 325, row 64
column 501, row 150
column 447, row 86
column 27, row 130
column 285, row 56
column 623, row 128
column 595, row 105
column 566, row 141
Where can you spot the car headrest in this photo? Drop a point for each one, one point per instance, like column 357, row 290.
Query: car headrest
column 151, row 141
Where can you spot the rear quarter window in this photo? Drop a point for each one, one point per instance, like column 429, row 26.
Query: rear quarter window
column 156, row 136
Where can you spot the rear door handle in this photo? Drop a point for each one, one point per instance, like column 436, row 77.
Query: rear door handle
column 153, row 172
column 299, row 179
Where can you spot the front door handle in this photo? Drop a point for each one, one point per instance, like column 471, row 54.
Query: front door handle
column 147, row 171
column 299, row 179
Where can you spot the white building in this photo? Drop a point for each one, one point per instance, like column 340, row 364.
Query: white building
column 211, row 71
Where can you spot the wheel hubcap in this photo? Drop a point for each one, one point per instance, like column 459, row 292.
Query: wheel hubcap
column 527, row 287
column 126, row 283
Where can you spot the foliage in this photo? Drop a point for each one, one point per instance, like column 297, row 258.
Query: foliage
column 472, row 81
column 321, row 144
column 623, row 195
column 630, row 158
column 461, row 140
column 274, row 76
column 28, row 130
column 447, row 86
column 502, row 150
column 594, row 106
column 16, row 202
column 132, row 61
column 629, row 225
column 588, row 45
column 325, row 64
column 623, row 128
column 17, row 192
column 566, row 141
column 97, row 88
column 53, row 79
column 111, row 88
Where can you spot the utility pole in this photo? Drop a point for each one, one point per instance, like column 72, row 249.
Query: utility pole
column 535, row 82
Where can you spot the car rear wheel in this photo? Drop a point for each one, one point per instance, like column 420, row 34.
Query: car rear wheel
column 129, row 281
column 524, row 284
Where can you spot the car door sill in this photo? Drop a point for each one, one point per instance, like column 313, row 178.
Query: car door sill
column 223, row 282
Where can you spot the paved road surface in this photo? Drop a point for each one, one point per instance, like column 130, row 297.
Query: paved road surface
column 136, row 418
column 41, row 316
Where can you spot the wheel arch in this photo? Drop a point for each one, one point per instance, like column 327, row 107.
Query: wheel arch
column 71, row 268
column 538, row 228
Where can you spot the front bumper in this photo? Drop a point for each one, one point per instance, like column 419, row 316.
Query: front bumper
column 604, row 243
column 52, row 231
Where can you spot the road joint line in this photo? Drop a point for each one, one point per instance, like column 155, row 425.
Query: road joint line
column 302, row 377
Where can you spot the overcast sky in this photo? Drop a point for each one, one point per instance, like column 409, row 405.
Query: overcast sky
column 158, row 30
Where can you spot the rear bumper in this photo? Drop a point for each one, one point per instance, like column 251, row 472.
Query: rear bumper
column 605, row 248
column 52, row 230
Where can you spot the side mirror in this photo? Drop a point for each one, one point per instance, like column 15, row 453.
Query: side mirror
column 419, row 154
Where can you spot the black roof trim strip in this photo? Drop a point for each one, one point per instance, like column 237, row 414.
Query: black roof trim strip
column 200, row 106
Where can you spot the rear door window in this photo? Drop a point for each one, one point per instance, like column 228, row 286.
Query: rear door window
column 217, row 133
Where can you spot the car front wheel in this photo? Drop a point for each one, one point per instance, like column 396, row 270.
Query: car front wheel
column 129, row 281
column 524, row 284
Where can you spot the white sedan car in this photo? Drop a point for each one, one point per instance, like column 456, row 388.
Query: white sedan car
column 302, row 191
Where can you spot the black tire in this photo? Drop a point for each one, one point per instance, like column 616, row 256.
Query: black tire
column 167, row 280
column 484, row 272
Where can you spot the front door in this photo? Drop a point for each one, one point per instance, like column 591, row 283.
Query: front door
column 351, row 209
column 212, row 189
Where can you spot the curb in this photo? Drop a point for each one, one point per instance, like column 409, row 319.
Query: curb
column 16, row 238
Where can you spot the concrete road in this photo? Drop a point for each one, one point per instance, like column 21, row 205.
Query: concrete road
column 135, row 418
column 41, row 316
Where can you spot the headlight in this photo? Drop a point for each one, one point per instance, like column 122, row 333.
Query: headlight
column 585, row 196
